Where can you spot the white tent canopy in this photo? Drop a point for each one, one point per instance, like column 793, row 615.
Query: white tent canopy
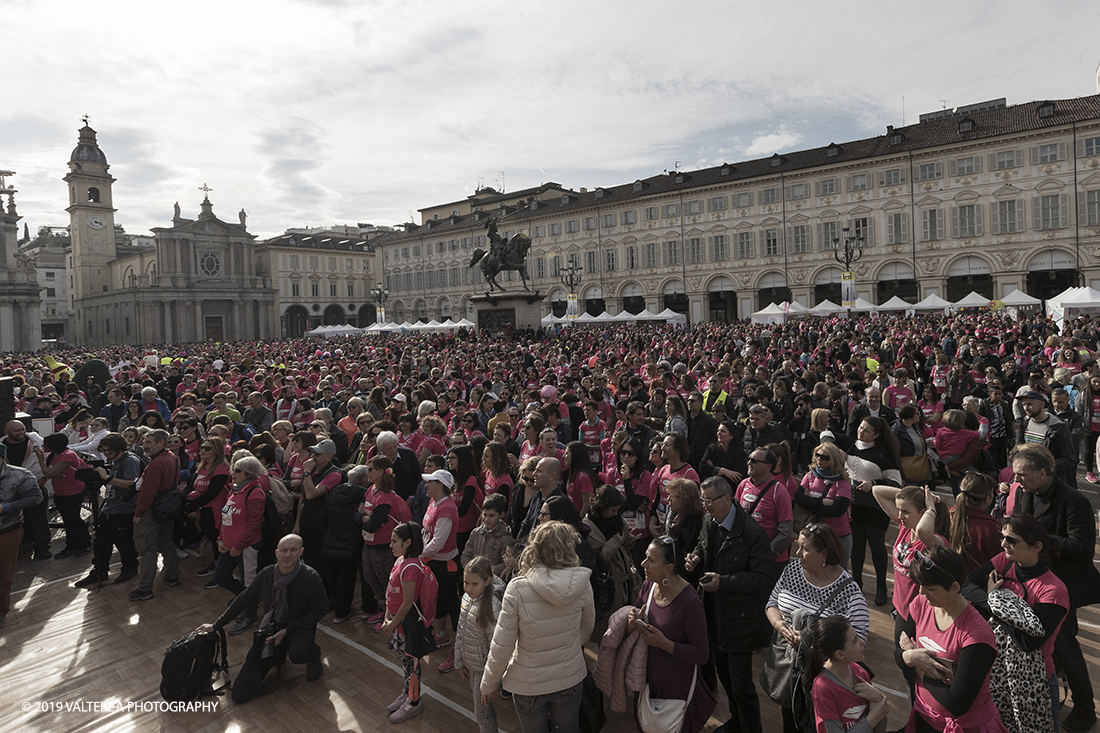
column 678, row 319
column 1019, row 297
column 863, row 305
column 464, row 323
column 771, row 313
column 973, row 300
column 826, row 308
column 895, row 304
column 932, row 302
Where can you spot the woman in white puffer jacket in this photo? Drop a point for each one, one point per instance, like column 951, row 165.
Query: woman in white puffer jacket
column 546, row 616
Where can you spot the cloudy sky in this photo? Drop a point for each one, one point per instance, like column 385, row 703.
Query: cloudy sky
column 315, row 112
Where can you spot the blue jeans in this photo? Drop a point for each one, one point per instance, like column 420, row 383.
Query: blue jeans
column 1054, row 699
column 557, row 711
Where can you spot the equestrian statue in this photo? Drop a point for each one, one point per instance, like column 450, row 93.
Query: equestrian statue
column 504, row 254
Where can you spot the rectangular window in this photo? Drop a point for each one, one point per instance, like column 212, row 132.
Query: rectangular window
column 454, row 277
column 651, row 213
column 555, row 229
column 930, row 171
column 829, row 231
column 540, row 230
column 1091, row 146
column 800, row 239
column 591, row 262
column 313, row 261
column 771, row 242
column 826, row 187
column 1007, row 217
column 555, row 265
column 50, row 274
column 1048, row 153
column 798, row 191
column 315, row 289
column 418, row 278
column 630, row 217
column 897, row 228
column 1004, row 159
column 351, row 290
column 965, row 166
column 744, row 200
column 574, row 261
column 672, row 210
column 1052, row 212
column 573, row 226
column 672, row 252
column 295, row 290
column 1092, row 208
column 695, row 207
column 931, row 225
column 416, row 250
column 440, row 247
column 859, row 182
column 861, row 229
column 746, row 246
column 431, row 279
column 632, row 256
column 609, row 260
column 696, row 252
column 720, row 248
column 589, row 223
column 332, row 290
column 718, row 203
column 891, row 177
column 107, row 323
column 404, row 253
column 966, row 221
column 51, row 292
column 540, row 267
column 769, row 195
column 652, row 257
column 127, row 324
column 609, row 220
column 409, row 280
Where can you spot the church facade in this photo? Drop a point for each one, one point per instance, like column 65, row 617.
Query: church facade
column 20, row 301
column 199, row 281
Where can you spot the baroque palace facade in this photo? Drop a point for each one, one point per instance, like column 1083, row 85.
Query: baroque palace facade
column 988, row 198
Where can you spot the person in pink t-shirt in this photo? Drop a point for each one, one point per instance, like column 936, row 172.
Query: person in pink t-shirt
column 842, row 692
column 768, row 502
column 900, row 392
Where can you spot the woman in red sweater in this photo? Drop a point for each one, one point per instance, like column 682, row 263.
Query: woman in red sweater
column 242, row 520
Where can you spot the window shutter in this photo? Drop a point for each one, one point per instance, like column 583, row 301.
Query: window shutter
column 951, row 168
column 1019, row 157
column 1063, row 210
column 890, row 235
column 821, row 234
column 992, row 161
column 790, row 234
column 979, row 219
column 1034, row 154
column 848, row 183
column 809, row 240
column 939, row 169
column 978, row 164
column 940, row 223
column 902, row 176
column 870, row 231
column 1021, row 220
column 817, row 188
column 955, row 222
column 881, row 178
column 925, row 228
column 905, row 227
column 1083, row 210
column 1080, row 148
column 1036, row 212
column 1063, row 151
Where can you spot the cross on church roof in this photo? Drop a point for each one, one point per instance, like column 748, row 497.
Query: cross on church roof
column 85, row 118
column 205, row 190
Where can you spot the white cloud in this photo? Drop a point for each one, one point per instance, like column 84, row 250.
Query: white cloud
column 773, row 142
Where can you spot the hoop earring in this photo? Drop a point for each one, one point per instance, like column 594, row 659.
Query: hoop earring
column 665, row 582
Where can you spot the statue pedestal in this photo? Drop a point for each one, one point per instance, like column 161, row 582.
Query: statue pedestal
column 520, row 309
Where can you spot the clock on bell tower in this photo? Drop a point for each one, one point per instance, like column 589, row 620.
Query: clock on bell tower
column 91, row 216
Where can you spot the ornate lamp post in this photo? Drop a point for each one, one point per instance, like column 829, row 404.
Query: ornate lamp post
column 380, row 295
column 571, row 278
column 850, row 251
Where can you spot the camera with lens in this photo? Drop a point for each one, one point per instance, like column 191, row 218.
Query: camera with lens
column 262, row 639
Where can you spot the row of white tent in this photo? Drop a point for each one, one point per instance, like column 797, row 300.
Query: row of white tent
column 774, row 312
column 433, row 325
column 667, row 315
column 1072, row 303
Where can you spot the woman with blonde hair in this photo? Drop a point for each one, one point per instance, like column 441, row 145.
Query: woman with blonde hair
column 545, row 618
column 825, row 495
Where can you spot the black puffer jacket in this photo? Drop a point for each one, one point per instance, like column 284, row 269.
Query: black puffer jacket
column 343, row 537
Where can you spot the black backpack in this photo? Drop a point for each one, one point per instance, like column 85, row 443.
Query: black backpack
column 190, row 664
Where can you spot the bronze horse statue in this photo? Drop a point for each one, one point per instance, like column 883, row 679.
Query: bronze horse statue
column 503, row 254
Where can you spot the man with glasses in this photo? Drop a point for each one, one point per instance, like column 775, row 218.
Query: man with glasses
column 635, row 425
column 152, row 535
column 736, row 559
column 714, row 395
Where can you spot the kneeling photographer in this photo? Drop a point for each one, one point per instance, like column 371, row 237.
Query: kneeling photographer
column 292, row 599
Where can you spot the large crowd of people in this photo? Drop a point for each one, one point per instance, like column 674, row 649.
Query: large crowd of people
column 679, row 498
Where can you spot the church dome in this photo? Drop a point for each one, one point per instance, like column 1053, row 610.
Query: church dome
column 87, row 150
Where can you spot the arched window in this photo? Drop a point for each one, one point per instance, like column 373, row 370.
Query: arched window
column 93, row 195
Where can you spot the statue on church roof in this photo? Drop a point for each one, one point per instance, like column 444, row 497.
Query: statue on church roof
column 243, row 216
column 176, row 208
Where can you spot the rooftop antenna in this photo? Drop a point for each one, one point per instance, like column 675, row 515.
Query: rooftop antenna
column 944, row 103
column 676, row 166
column 502, row 186
column 903, row 110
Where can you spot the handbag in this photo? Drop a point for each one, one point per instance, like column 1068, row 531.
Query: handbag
column 663, row 715
column 167, row 505
column 916, row 468
column 782, row 658
column 419, row 640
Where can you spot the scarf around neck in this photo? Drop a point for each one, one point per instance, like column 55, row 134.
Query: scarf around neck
column 280, row 609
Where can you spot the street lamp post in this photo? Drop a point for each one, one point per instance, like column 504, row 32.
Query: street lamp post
column 850, row 251
column 571, row 278
column 380, row 295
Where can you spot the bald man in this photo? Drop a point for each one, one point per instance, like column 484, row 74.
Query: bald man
column 548, row 482
column 292, row 625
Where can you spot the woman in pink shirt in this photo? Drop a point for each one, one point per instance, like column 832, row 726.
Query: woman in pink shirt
column 826, row 492
column 242, row 519
column 579, row 477
column 207, row 497
column 932, row 408
column 673, row 451
column 441, row 550
column 498, row 470
column 68, row 494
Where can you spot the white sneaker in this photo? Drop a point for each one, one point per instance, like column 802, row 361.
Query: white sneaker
column 406, row 711
column 393, row 706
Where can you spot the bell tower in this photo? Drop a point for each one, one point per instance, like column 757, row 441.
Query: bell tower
column 91, row 216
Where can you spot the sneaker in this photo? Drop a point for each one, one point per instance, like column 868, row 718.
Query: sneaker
column 211, row 585
column 880, row 596
column 207, row 571
column 375, row 618
column 42, row 555
column 93, row 578
column 173, row 582
column 340, row 619
column 64, row 554
column 314, row 669
column 406, row 711
column 141, row 595
column 396, row 704
column 181, row 554
column 379, row 626
column 1079, row 720
column 448, row 664
column 443, row 640
column 1092, row 478
column 244, row 623
column 126, row 574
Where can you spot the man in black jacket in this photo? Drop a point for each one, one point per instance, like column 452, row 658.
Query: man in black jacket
column 760, row 431
column 702, row 429
column 1040, row 427
column 406, row 466
column 292, row 598
column 1068, row 518
column 258, row 416
column 871, row 407
column 738, row 575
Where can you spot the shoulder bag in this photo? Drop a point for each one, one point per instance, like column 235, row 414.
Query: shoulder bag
column 658, row 715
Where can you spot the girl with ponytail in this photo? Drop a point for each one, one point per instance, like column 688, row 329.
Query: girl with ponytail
column 974, row 533
column 840, row 687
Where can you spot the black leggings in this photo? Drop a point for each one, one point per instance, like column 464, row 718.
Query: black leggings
column 77, row 536
column 448, row 576
column 862, row 534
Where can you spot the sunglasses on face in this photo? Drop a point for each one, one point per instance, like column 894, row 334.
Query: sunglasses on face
column 1009, row 540
column 627, row 453
column 757, row 460
column 822, row 456
column 207, row 447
